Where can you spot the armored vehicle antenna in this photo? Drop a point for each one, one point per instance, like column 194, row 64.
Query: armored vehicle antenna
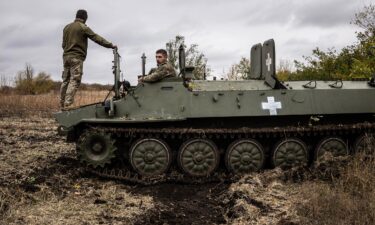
column 181, row 60
column 143, row 64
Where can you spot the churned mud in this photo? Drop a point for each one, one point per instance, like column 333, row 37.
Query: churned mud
column 41, row 182
column 185, row 204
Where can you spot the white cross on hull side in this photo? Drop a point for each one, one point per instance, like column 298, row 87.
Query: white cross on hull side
column 271, row 105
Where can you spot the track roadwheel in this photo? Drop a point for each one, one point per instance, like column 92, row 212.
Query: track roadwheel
column 198, row 157
column 96, row 148
column 290, row 152
column 365, row 143
column 150, row 157
column 335, row 146
column 244, row 156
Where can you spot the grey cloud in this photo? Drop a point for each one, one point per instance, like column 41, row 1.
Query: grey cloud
column 301, row 13
column 31, row 31
column 325, row 13
column 25, row 43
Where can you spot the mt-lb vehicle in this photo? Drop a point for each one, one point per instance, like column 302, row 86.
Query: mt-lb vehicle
column 199, row 129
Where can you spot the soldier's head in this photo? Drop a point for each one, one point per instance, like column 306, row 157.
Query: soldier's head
column 81, row 14
column 161, row 56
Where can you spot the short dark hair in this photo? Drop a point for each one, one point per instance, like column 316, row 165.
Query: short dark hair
column 162, row 51
column 81, row 14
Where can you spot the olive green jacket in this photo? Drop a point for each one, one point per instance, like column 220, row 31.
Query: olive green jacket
column 75, row 40
column 162, row 71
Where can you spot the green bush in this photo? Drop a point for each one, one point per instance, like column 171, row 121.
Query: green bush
column 354, row 61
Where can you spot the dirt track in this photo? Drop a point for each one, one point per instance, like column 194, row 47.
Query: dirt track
column 42, row 183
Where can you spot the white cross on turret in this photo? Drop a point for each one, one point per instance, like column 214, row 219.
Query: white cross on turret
column 268, row 62
column 271, row 105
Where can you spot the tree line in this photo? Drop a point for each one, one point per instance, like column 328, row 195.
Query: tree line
column 352, row 62
column 27, row 82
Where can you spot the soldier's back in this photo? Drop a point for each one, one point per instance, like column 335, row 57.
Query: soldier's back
column 74, row 41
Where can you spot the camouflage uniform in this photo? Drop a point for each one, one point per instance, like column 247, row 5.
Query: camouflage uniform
column 162, row 71
column 75, row 51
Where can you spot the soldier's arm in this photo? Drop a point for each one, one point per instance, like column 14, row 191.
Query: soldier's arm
column 156, row 75
column 64, row 39
column 152, row 70
column 96, row 38
column 159, row 73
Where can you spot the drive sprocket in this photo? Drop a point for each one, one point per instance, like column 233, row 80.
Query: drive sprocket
column 96, row 148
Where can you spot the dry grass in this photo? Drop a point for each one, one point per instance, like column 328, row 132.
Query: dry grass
column 332, row 191
column 44, row 104
column 262, row 198
column 345, row 199
column 41, row 181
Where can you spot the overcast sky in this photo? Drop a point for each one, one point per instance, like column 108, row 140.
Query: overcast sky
column 225, row 30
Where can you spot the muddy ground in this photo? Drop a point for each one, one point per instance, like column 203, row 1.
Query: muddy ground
column 41, row 183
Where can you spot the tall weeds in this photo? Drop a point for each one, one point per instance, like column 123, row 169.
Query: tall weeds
column 346, row 199
column 43, row 104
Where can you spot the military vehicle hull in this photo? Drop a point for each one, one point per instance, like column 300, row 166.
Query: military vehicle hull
column 279, row 127
column 243, row 99
column 179, row 129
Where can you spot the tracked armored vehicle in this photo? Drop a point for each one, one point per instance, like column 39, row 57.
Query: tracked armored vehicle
column 181, row 128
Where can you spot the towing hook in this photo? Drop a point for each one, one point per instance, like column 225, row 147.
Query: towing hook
column 62, row 130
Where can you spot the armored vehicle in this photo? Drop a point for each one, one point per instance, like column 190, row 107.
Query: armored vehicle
column 180, row 128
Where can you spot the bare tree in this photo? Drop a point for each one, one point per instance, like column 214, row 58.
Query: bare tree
column 193, row 57
column 240, row 70
column 365, row 19
column 24, row 80
column 4, row 81
column 285, row 65
column 5, row 84
column 284, row 69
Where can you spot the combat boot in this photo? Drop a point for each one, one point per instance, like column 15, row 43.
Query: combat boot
column 68, row 107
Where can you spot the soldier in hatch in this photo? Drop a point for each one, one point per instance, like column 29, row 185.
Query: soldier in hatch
column 74, row 43
column 164, row 69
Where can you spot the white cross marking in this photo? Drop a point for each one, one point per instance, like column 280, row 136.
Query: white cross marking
column 268, row 62
column 271, row 105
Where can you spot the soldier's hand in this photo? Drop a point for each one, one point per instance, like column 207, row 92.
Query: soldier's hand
column 152, row 70
column 114, row 46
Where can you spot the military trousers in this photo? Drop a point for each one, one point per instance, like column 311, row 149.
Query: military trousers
column 71, row 76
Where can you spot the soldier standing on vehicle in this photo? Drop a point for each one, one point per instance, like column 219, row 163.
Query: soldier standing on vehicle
column 164, row 68
column 74, row 43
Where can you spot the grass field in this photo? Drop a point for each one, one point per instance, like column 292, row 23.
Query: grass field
column 44, row 104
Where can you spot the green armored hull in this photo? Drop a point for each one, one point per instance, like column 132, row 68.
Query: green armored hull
column 203, row 128
column 228, row 99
